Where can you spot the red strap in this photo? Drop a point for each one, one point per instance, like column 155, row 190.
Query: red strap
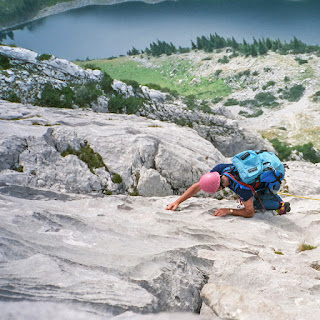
column 254, row 193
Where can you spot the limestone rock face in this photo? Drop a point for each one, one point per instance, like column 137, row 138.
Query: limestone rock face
column 28, row 75
column 10, row 149
column 71, row 250
column 141, row 156
column 74, row 253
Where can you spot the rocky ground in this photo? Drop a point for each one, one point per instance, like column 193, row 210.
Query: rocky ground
column 84, row 232
column 67, row 256
column 70, row 249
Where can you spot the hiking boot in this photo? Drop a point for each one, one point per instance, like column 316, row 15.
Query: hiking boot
column 283, row 208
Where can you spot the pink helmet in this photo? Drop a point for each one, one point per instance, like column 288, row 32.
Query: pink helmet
column 210, row 182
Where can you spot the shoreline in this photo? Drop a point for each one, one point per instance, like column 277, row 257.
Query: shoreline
column 76, row 4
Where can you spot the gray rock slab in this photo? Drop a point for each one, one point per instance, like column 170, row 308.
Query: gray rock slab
column 120, row 256
column 140, row 150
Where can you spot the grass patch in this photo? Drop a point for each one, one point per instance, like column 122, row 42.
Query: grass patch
column 174, row 73
column 278, row 252
column 44, row 56
column 305, row 247
column 18, row 168
column 87, row 155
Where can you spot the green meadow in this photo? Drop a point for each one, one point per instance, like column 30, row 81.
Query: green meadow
column 173, row 73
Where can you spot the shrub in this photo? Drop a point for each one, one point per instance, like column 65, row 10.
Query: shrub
column 286, row 79
column 217, row 99
column 245, row 73
column 87, row 155
column 50, row 96
column 309, row 153
column 294, row 93
column 190, row 101
column 250, row 103
column 153, row 86
column 174, row 93
column 224, row 60
column 106, row 83
column 266, row 99
column 255, row 114
column 13, row 97
column 54, row 97
column 255, row 73
column 316, row 97
column 67, row 97
column 183, row 122
column 44, row 56
column 283, row 149
column 133, row 104
column 301, row 61
column 86, row 94
column 268, row 84
column 231, row 102
column 135, row 85
column 217, row 73
column 119, row 104
column 116, row 178
column 4, row 62
column 205, row 108
column 91, row 66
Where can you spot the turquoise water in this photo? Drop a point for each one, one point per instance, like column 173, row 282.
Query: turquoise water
column 105, row 31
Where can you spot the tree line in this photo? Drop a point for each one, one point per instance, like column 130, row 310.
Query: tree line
column 216, row 42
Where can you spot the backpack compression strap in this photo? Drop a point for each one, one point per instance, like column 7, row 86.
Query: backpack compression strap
column 254, row 192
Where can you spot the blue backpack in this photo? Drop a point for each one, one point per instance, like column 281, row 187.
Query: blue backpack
column 257, row 168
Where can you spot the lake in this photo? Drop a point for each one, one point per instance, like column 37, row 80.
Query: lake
column 105, row 31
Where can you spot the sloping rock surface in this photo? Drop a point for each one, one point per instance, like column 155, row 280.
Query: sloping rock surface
column 115, row 257
column 67, row 251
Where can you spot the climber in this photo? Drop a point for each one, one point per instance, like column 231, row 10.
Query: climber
column 253, row 197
